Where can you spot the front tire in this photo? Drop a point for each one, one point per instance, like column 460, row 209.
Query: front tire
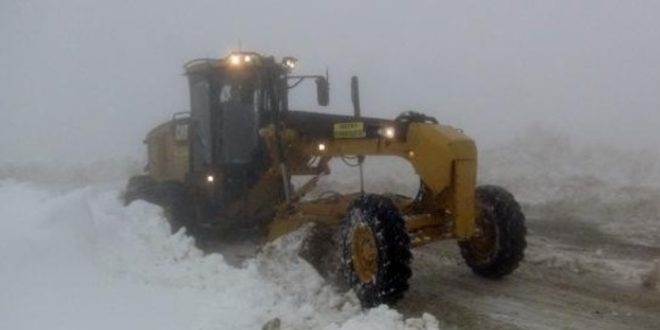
column 498, row 245
column 376, row 251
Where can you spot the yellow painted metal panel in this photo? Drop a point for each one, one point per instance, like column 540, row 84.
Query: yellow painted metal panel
column 463, row 205
column 168, row 153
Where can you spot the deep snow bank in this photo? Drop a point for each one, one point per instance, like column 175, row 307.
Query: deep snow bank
column 542, row 165
column 80, row 260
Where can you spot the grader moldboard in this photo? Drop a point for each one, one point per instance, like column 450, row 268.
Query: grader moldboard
column 228, row 164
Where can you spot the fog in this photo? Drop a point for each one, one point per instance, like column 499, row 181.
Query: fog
column 85, row 80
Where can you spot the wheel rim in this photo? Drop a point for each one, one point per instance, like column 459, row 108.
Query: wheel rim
column 364, row 253
column 484, row 242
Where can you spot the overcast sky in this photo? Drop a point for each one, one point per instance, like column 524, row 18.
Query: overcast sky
column 84, row 80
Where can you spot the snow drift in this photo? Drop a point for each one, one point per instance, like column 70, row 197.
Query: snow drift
column 80, row 260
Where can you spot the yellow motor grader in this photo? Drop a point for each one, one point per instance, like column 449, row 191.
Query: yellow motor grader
column 228, row 164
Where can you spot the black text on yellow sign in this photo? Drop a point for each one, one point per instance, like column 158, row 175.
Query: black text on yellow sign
column 350, row 130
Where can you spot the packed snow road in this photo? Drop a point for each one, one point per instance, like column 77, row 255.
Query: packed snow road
column 598, row 284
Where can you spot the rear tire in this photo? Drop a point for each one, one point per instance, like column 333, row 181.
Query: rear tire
column 140, row 187
column 498, row 246
column 170, row 195
column 178, row 206
column 376, row 251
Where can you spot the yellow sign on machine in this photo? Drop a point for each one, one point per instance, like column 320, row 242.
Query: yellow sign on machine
column 352, row 130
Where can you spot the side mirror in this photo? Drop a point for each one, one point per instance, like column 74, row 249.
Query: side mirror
column 322, row 91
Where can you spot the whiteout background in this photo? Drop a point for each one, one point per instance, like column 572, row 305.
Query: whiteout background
column 561, row 98
column 84, row 80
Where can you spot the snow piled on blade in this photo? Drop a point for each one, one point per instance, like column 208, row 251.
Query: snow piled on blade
column 80, row 260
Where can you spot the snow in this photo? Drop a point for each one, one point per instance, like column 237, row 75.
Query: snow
column 551, row 254
column 80, row 260
column 614, row 192
column 652, row 277
column 73, row 257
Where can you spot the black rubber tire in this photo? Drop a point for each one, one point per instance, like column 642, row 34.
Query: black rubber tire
column 499, row 208
column 170, row 195
column 393, row 244
column 178, row 206
column 140, row 187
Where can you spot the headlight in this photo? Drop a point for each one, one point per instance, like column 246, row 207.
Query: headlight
column 387, row 132
column 234, row 59
column 289, row 62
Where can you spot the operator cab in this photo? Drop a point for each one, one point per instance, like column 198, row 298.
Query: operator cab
column 231, row 99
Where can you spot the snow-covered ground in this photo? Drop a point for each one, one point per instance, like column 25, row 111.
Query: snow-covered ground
column 73, row 257
column 80, row 260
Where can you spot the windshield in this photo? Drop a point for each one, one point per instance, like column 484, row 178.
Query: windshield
column 237, row 124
